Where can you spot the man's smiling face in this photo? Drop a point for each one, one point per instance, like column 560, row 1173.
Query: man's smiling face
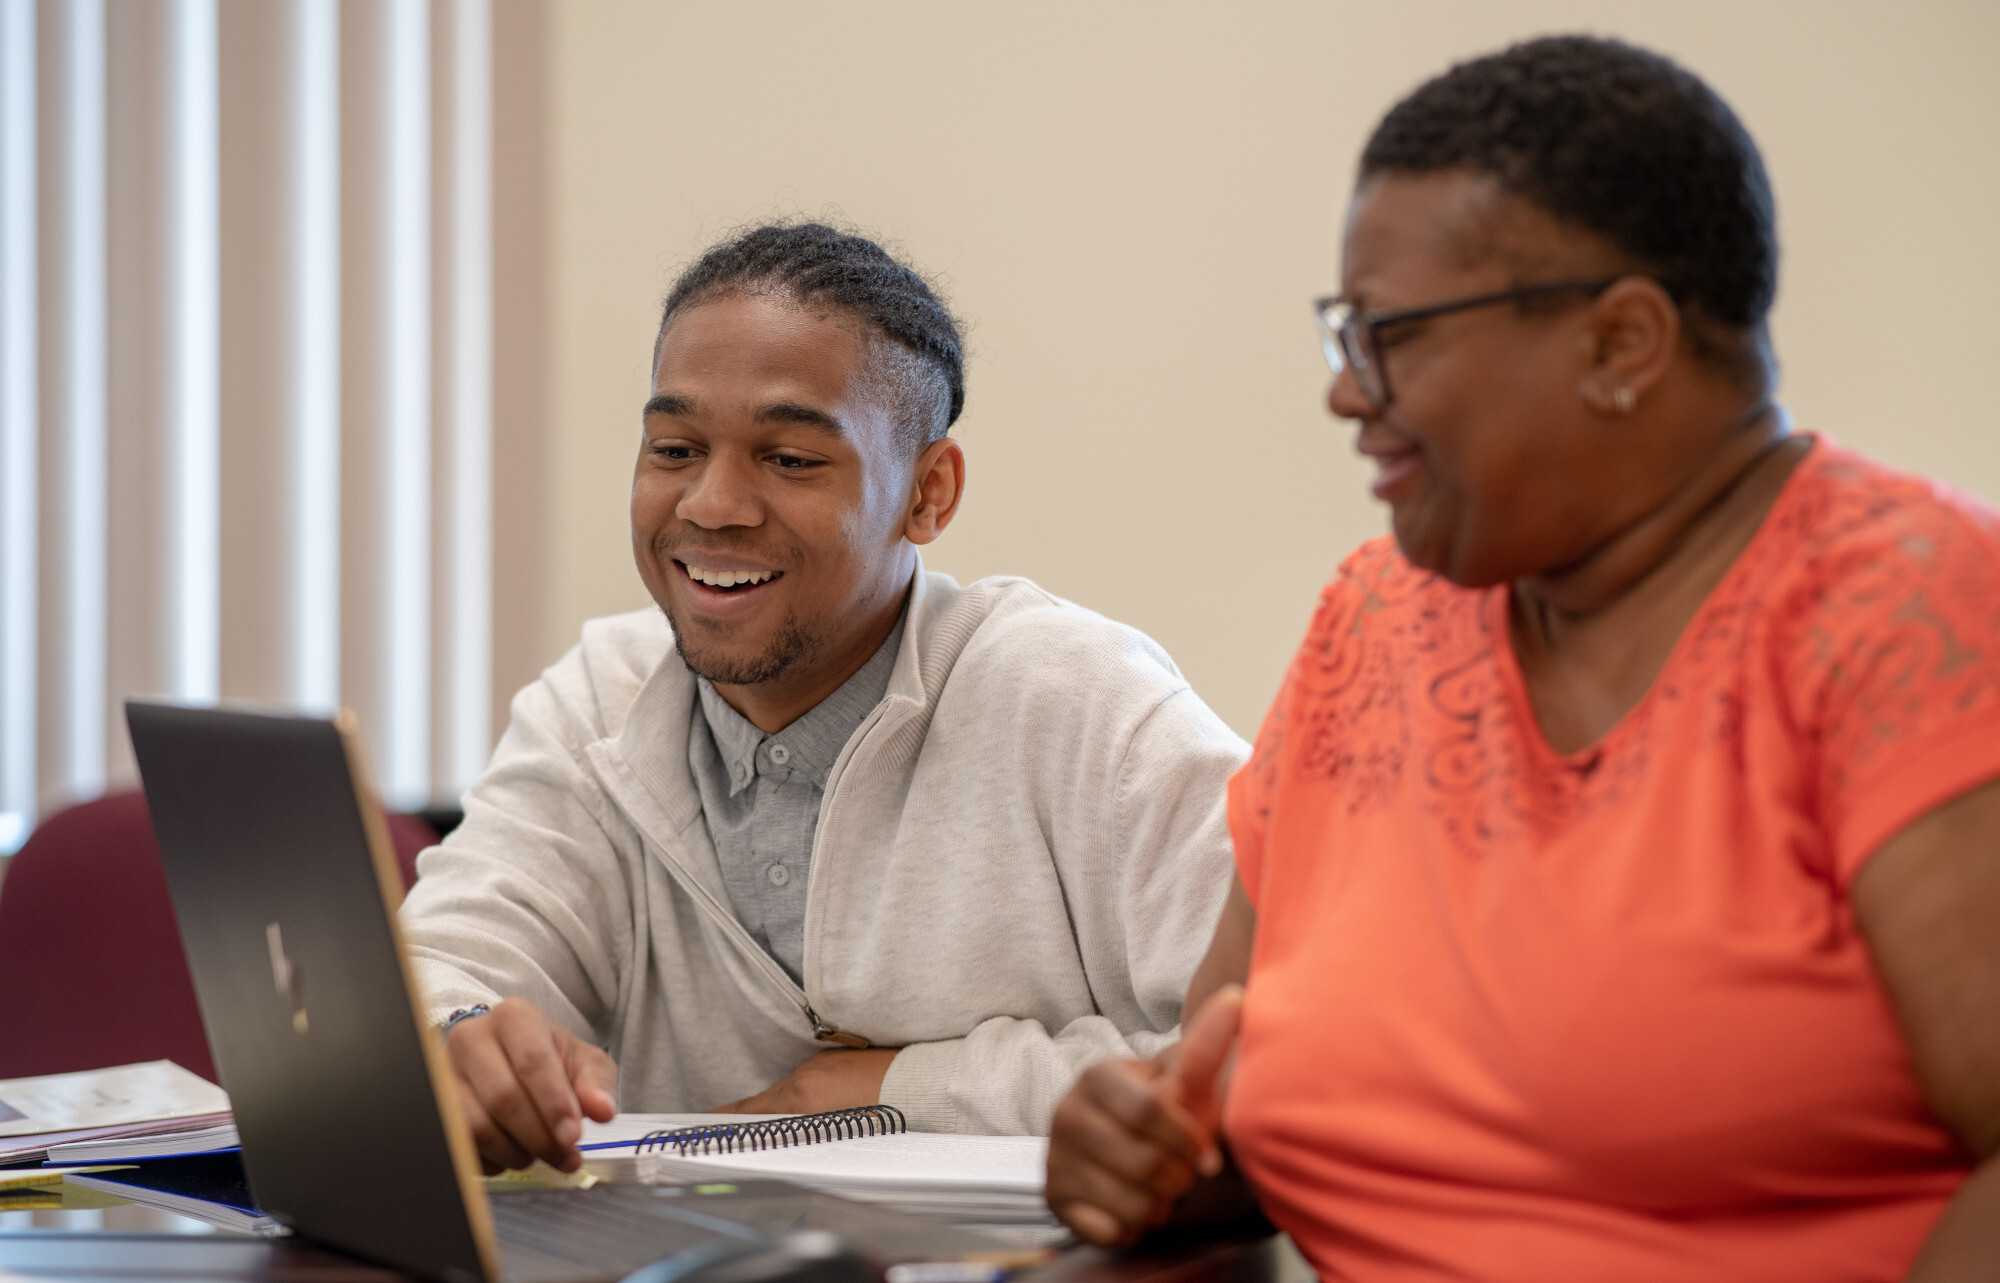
column 771, row 494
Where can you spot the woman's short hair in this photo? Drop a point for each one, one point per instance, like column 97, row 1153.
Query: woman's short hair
column 1615, row 139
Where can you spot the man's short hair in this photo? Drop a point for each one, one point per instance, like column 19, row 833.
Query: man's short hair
column 1615, row 139
column 917, row 350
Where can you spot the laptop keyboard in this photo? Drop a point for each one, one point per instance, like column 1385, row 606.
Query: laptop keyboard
column 601, row 1233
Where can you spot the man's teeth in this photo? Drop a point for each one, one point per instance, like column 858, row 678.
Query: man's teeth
column 728, row 578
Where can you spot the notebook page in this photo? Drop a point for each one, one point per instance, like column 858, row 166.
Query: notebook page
column 933, row 1161
column 626, row 1128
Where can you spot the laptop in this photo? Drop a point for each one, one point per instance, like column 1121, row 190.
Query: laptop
column 285, row 889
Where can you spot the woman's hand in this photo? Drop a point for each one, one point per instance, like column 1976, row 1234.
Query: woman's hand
column 1133, row 1135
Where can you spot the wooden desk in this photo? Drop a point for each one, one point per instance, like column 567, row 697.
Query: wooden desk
column 126, row 1243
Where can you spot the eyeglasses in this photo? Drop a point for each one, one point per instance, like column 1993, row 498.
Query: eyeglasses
column 1350, row 338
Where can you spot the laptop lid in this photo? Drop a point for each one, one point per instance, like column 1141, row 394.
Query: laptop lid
column 285, row 888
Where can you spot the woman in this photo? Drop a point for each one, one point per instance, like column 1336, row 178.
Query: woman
column 1619, row 867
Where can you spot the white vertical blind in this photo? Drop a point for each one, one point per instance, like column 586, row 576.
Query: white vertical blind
column 194, row 571
column 249, row 459
column 72, row 409
column 463, row 598
column 315, row 480
column 404, row 625
column 18, row 437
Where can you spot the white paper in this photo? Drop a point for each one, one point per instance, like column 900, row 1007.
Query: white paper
column 933, row 1161
column 978, row 1180
column 199, row 1140
column 92, row 1098
column 626, row 1128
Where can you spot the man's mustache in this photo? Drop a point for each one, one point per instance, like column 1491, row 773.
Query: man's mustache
column 683, row 547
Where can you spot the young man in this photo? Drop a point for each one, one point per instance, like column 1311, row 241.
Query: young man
column 825, row 829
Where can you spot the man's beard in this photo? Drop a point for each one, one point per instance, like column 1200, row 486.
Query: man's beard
column 793, row 646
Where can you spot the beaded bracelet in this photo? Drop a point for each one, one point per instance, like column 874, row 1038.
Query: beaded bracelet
column 463, row 1013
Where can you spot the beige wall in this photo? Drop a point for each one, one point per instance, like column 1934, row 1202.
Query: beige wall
column 1131, row 203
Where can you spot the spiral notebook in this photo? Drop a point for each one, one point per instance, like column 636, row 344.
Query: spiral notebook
column 655, row 1133
column 865, row 1154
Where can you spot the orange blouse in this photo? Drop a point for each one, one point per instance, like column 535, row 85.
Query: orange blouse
column 1519, row 1015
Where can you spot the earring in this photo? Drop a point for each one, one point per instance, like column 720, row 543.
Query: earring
column 1623, row 400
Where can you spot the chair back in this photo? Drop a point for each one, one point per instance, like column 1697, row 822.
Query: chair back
column 91, row 967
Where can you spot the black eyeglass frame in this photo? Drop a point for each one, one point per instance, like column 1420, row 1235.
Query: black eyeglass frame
column 1350, row 342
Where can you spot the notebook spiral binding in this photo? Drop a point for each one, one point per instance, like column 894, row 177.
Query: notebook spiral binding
column 777, row 1133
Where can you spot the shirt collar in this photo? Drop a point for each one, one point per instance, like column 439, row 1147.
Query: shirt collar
column 813, row 742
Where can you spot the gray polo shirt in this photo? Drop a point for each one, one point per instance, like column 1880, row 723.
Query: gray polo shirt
column 760, row 797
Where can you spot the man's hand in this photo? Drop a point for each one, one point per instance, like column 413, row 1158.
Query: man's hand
column 1132, row 1135
column 836, row 1079
column 526, row 1085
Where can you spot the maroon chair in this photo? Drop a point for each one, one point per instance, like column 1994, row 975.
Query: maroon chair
column 91, row 968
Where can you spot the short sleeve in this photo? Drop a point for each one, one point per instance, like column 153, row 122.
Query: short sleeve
column 1896, row 667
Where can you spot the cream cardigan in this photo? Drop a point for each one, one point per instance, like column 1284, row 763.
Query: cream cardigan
column 1020, row 857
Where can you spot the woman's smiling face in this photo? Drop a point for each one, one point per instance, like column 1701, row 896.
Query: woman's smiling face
column 1486, row 455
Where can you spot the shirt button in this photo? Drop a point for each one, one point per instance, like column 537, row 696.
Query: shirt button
column 780, row 754
column 742, row 773
column 778, row 874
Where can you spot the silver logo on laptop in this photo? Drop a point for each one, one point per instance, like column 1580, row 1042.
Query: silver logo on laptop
column 288, row 976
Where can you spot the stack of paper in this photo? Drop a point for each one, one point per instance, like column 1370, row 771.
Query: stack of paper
column 207, row 1187
column 125, row 1101
column 971, row 1180
column 115, row 1149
